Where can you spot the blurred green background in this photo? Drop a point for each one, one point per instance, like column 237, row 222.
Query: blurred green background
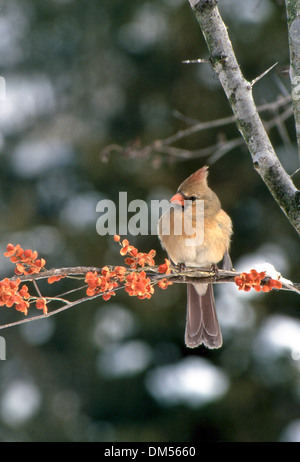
column 81, row 75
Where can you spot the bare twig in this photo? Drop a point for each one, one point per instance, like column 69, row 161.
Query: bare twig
column 253, row 82
column 195, row 61
column 272, row 107
column 69, row 271
column 163, row 146
column 37, row 288
column 51, row 313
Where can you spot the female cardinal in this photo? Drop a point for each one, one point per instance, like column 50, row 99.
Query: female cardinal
column 206, row 245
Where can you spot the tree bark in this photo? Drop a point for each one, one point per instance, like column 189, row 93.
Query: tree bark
column 293, row 21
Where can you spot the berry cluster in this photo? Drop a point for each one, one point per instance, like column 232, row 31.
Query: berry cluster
column 27, row 261
column 136, row 283
column 257, row 281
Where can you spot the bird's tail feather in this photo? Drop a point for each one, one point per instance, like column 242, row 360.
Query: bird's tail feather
column 202, row 324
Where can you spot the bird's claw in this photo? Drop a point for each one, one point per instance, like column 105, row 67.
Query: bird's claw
column 182, row 267
column 215, row 269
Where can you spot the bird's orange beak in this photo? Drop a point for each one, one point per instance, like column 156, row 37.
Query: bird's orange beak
column 178, row 199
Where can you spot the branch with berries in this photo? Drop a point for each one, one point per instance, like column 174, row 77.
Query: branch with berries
column 139, row 277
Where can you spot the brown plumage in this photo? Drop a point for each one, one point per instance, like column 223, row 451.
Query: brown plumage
column 196, row 232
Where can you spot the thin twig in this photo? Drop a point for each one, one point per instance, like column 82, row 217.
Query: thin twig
column 253, row 82
column 215, row 152
column 37, row 288
column 68, row 272
column 195, row 61
column 47, row 315
column 163, row 146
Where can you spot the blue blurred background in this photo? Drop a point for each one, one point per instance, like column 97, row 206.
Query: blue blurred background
column 81, row 75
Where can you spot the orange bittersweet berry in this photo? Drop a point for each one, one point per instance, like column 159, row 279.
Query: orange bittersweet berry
column 165, row 267
column 41, row 304
column 254, row 280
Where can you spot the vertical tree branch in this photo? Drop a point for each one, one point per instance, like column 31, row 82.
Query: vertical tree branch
column 239, row 93
column 293, row 21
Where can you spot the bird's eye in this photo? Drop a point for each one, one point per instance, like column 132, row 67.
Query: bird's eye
column 192, row 198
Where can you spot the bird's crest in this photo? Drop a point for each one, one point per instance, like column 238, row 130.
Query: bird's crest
column 199, row 175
